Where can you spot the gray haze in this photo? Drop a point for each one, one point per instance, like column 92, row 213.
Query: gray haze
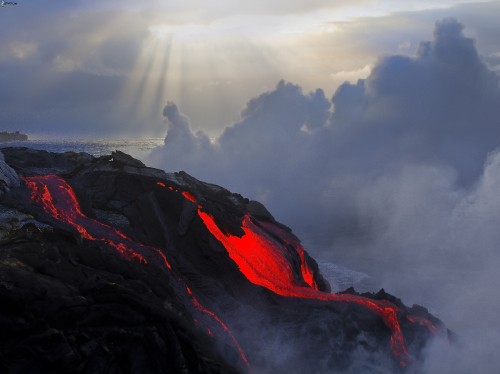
column 397, row 176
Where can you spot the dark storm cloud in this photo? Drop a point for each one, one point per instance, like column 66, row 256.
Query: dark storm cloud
column 74, row 102
column 398, row 178
column 438, row 107
column 67, row 75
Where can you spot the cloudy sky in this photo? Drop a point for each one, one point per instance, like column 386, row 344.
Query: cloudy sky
column 82, row 66
column 372, row 128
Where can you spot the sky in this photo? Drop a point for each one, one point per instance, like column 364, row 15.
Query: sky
column 372, row 128
column 76, row 68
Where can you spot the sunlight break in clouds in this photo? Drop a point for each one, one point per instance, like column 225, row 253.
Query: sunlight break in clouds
column 92, row 66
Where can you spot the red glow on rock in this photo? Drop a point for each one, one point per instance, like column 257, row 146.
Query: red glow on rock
column 262, row 261
column 292, row 241
column 211, row 314
column 307, row 273
column 189, row 196
column 57, row 199
column 424, row 322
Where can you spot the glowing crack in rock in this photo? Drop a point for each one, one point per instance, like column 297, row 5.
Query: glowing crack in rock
column 56, row 197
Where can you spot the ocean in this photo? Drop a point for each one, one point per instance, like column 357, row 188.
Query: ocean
column 139, row 148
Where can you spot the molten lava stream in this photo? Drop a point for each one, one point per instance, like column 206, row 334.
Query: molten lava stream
column 57, row 199
column 261, row 259
column 263, row 262
column 291, row 240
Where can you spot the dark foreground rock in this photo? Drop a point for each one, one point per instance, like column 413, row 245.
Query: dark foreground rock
column 153, row 276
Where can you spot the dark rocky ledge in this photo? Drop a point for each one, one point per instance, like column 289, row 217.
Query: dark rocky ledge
column 73, row 303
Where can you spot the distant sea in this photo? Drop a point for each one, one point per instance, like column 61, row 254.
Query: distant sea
column 137, row 148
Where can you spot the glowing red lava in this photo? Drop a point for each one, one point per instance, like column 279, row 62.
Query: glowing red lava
column 263, row 262
column 201, row 308
column 189, row 196
column 57, row 199
column 292, row 241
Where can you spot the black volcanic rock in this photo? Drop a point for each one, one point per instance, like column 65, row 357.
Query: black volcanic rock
column 139, row 282
column 68, row 307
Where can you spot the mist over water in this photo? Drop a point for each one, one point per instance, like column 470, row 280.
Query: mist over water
column 138, row 148
column 397, row 176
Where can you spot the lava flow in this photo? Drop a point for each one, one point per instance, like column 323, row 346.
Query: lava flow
column 262, row 261
column 57, row 199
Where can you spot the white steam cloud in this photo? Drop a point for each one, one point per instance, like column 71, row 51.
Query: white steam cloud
column 397, row 176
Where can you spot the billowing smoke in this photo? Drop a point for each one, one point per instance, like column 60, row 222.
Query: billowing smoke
column 398, row 176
